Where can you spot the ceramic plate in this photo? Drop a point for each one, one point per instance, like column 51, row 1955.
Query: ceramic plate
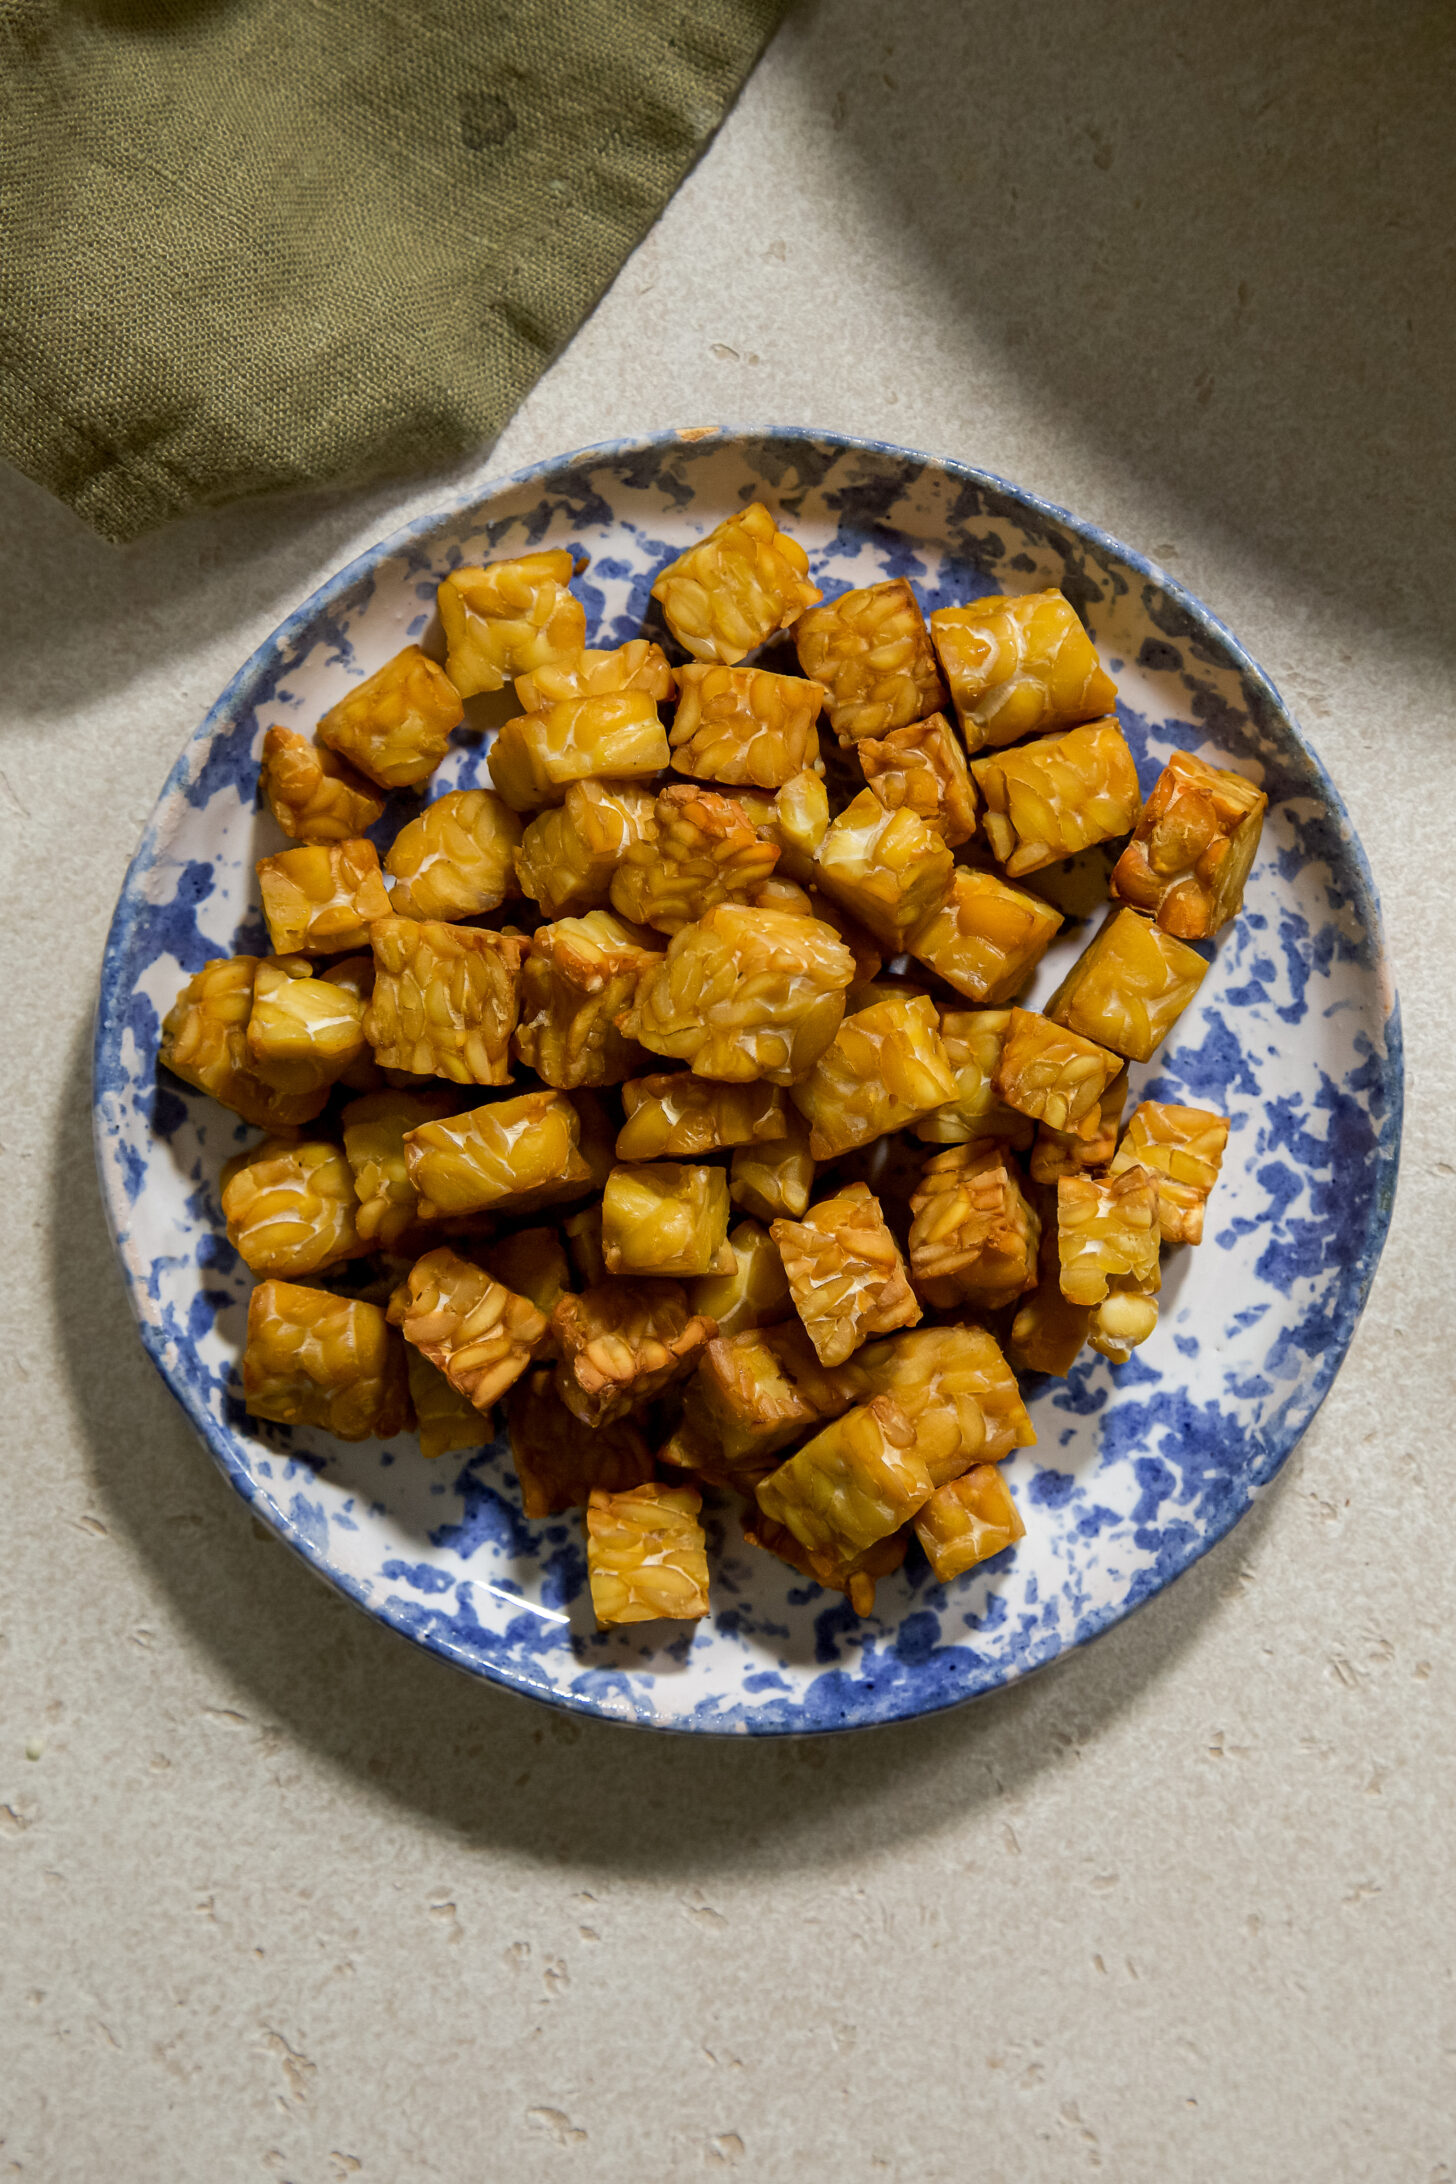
column 1295, row 1035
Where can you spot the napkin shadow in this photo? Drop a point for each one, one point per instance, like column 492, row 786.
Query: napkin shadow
column 1216, row 240
column 237, row 570
column 496, row 1772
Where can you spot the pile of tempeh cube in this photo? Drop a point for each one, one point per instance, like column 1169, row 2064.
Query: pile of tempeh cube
column 692, row 987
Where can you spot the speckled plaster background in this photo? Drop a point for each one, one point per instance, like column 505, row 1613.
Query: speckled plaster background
column 281, row 1897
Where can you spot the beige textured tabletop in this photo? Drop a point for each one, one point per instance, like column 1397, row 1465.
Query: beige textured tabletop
column 283, row 1897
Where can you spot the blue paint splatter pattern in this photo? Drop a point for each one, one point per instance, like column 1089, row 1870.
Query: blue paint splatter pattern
column 1295, row 1034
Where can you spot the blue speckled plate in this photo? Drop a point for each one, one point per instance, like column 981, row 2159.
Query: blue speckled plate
column 1295, row 1035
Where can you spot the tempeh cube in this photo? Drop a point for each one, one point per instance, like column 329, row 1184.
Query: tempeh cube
column 536, row 757
column 967, row 1522
column 579, row 977
column 396, row 726
column 646, row 1557
column 678, row 1115
column 1057, row 796
column 701, row 849
column 857, row 1481
column 513, row 1155
column 1107, row 1234
column 457, row 859
column 1054, row 1075
column 855, row 1576
column 1128, row 987
column 871, row 650
column 289, row 1206
column 480, row 1334
column 1018, row 667
column 923, row 769
column 303, row 1032
column 568, row 854
column 986, row 938
column 622, row 1343
column 755, row 1294
column 314, row 1359
column 738, row 585
column 887, row 868
column 667, row 1220
column 929, row 1374
column 637, row 665
column 744, row 726
column 1182, row 1148
column 776, row 1175
column 509, row 618
column 973, row 1233
column 1062, row 1152
column 1192, row 849
column 559, row 1460
column 884, row 1071
column 973, row 1039
column 1049, row 1331
column 205, row 1043
column 444, row 1418
column 845, row 1273
column 959, row 1369
column 445, row 999
column 314, row 796
column 533, row 1263
column 756, row 1391
column 745, row 993
column 321, row 898
column 375, row 1128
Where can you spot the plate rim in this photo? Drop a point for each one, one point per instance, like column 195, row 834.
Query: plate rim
column 129, row 905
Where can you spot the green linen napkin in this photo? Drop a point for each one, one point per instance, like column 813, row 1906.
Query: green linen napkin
column 255, row 244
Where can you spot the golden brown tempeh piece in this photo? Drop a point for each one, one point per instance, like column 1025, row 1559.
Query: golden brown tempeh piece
column 845, row 1273
column 646, row 1556
column 1193, row 848
column 1128, row 987
column 457, row 859
column 314, row 1359
column 445, row 999
column 872, row 652
column 321, row 898
column 395, row 727
column 735, row 588
column 1019, row 667
column 314, row 796
column 1059, row 795
column 745, row 993
column 509, row 618
column 745, row 726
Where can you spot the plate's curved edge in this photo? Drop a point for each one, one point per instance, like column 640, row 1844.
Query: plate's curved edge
column 766, row 1719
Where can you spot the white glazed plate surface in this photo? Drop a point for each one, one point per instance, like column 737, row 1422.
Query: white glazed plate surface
column 1136, row 1471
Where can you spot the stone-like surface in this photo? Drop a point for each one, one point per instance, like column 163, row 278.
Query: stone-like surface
column 284, row 1898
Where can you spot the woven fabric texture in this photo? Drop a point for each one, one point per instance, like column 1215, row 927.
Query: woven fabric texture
column 248, row 245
